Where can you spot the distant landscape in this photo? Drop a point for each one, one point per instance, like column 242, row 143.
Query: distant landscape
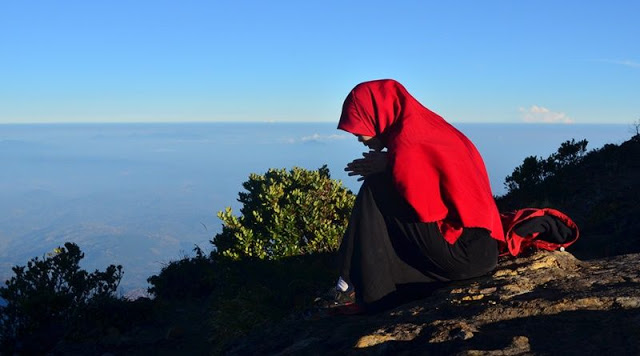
column 142, row 195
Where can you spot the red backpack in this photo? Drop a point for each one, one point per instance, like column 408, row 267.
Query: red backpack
column 546, row 228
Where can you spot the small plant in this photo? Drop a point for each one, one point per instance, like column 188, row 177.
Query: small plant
column 635, row 130
column 286, row 213
column 47, row 294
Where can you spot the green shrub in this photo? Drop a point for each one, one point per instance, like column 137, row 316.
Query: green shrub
column 270, row 261
column 286, row 213
column 534, row 170
column 190, row 277
column 47, row 294
column 256, row 292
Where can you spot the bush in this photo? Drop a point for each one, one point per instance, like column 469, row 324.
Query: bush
column 270, row 261
column 256, row 291
column 193, row 277
column 598, row 190
column 47, row 294
column 244, row 293
column 286, row 213
column 534, row 170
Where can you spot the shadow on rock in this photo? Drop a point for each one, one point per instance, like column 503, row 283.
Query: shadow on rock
column 582, row 332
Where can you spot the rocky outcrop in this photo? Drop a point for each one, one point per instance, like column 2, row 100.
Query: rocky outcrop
column 545, row 304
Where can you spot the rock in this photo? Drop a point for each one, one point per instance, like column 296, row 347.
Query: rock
column 628, row 302
column 372, row 340
column 519, row 346
column 545, row 303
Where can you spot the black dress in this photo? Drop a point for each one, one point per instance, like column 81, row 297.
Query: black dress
column 386, row 247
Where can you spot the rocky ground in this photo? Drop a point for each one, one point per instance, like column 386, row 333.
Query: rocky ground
column 548, row 303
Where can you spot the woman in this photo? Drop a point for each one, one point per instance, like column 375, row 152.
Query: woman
column 425, row 212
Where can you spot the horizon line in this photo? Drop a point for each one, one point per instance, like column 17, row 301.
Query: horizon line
column 290, row 122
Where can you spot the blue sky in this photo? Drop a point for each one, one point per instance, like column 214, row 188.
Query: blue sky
column 470, row 61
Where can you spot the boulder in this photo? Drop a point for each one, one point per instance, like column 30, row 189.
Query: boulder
column 546, row 303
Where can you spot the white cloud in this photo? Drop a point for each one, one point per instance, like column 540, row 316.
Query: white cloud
column 543, row 115
column 319, row 138
column 629, row 64
column 315, row 138
column 626, row 63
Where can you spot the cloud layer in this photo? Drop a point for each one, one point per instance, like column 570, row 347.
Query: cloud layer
column 627, row 63
column 317, row 138
column 541, row 114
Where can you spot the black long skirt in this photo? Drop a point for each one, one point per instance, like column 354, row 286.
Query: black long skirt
column 386, row 247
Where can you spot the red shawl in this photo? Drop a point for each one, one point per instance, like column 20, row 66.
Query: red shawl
column 435, row 167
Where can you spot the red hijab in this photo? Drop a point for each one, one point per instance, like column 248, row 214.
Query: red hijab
column 434, row 166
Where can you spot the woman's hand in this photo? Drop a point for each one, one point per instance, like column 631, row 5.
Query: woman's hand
column 373, row 162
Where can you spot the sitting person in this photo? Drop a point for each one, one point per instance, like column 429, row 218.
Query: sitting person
column 425, row 213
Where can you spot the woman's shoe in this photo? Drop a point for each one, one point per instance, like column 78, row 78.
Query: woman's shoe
column 336, row 302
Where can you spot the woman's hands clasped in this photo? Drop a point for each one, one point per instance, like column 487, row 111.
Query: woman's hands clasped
column 373, row 162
